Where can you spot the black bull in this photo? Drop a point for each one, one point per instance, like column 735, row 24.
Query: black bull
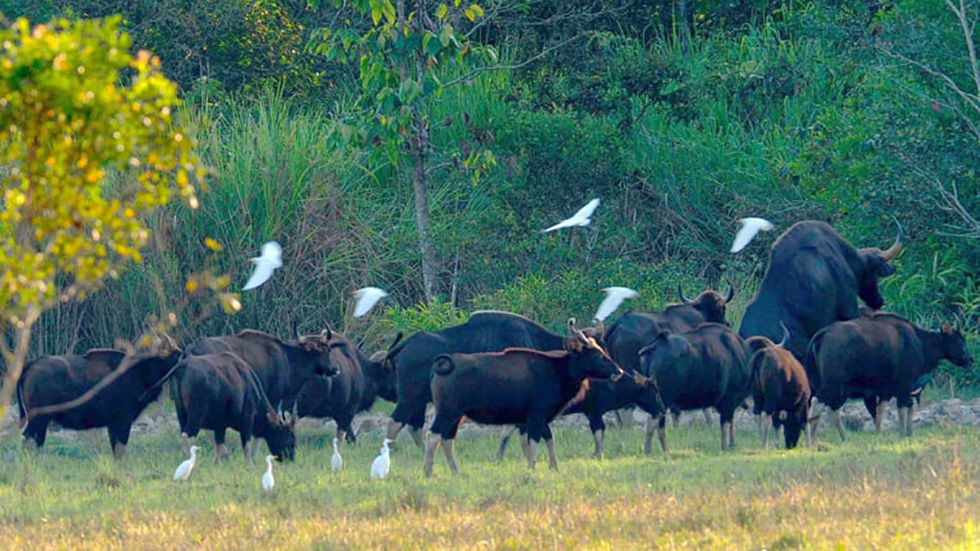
column 815, row 278
column 484, row 332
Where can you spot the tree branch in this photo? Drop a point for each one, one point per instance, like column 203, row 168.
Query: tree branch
column 514, row 66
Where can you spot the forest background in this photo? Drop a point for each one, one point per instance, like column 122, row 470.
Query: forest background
column 681, row 115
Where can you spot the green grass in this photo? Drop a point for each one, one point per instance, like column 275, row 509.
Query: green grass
column 874, row 492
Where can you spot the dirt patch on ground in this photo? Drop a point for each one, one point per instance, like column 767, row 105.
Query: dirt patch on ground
column 950, row 412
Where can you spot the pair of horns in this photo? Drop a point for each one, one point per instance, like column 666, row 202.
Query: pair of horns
column 728, row 298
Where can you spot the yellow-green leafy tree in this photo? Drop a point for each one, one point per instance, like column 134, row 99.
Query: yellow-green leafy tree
column 89, row 146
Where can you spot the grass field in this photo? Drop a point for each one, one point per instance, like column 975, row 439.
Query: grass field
column 874, row 492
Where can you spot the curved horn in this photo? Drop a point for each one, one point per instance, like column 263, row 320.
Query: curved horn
column 782, row 343
column 731, row 291
column 893, row 251
column 680, row 292
column 571, row 325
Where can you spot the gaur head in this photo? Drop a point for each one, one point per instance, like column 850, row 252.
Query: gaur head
column 954, row 346
column 710, row 304
column 384, row 376
column 317, row 348
column 876, row 266
column 588, row 357
column 647, row 394
column 280, row 435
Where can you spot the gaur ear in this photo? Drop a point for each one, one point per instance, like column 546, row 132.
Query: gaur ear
column 272, row 417
column 573, row 345
column 947, row 329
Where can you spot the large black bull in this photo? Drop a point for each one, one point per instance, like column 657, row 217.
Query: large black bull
column 354, row 389
column 484, row 332
column 53, row 380
column 697, row 369
column 877, row 357
column 283, row 368
column 632, row 331
column 515, row 386
column 815, row 278
column 219, row 392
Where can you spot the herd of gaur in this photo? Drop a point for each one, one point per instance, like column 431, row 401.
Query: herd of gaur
column 804, row 344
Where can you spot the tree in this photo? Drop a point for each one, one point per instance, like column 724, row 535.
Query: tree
column 404, row 57
column 85, row 160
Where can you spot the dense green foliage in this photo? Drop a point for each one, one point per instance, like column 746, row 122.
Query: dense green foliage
column 681, row 123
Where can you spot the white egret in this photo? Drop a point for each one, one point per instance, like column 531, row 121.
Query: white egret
column 183, row 471
column 581, row 218
column 614, row 297
column 379, row 469
column 750, row 227
column 367, row 297
column 268, row 483
column 268, row 262
column 336, row 462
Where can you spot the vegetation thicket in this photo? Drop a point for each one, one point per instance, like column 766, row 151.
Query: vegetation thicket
column 681, row 117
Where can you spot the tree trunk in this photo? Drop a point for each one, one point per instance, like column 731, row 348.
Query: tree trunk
column 420, row 187
column 685, row 22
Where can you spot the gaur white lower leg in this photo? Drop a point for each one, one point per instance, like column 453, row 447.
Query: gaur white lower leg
column 839, row 423
column 430, row 452
column 765, row 422
column 449, row 451
column 552, row 454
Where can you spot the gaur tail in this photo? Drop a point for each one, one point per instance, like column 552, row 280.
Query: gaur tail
column 810, row 362
column 443, row 365
column 21, row 408
column 174, row 380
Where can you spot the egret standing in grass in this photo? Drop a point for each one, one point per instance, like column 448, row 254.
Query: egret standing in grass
column 379, row 469
column 614, row 297
column 336, row 462
column 366, row 299
column 268, row 262
column 581, row 218
column 183, row 471
column 268, row 483
column 750, row 227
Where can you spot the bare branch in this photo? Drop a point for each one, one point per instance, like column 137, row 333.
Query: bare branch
column 514, row 66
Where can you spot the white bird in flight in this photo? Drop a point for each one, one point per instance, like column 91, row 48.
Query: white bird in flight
column 379, row 469
column 366, row 299
column 265, row 264
column 183, row 471
column 268, row 483
column 614, row 297
column 336, row 462
column 581, row 218
column 750, row 227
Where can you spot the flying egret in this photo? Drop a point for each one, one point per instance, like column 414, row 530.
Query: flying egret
column 367, row 297
column 183, row 471
column 336, row 462
column 379, row 469
column 750, row 227
column 614, row 297
column 581, row 218
column 268, row 483
column 265, row 264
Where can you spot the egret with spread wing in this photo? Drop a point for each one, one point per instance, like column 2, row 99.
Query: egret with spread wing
column 750, row 227
column 366, row 299
column 268, row 262
column 614, row 297
column 581, row 218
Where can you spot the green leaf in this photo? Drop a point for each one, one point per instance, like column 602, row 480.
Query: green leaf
column 470, row 14
column 441, row 11
column 477, row 10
